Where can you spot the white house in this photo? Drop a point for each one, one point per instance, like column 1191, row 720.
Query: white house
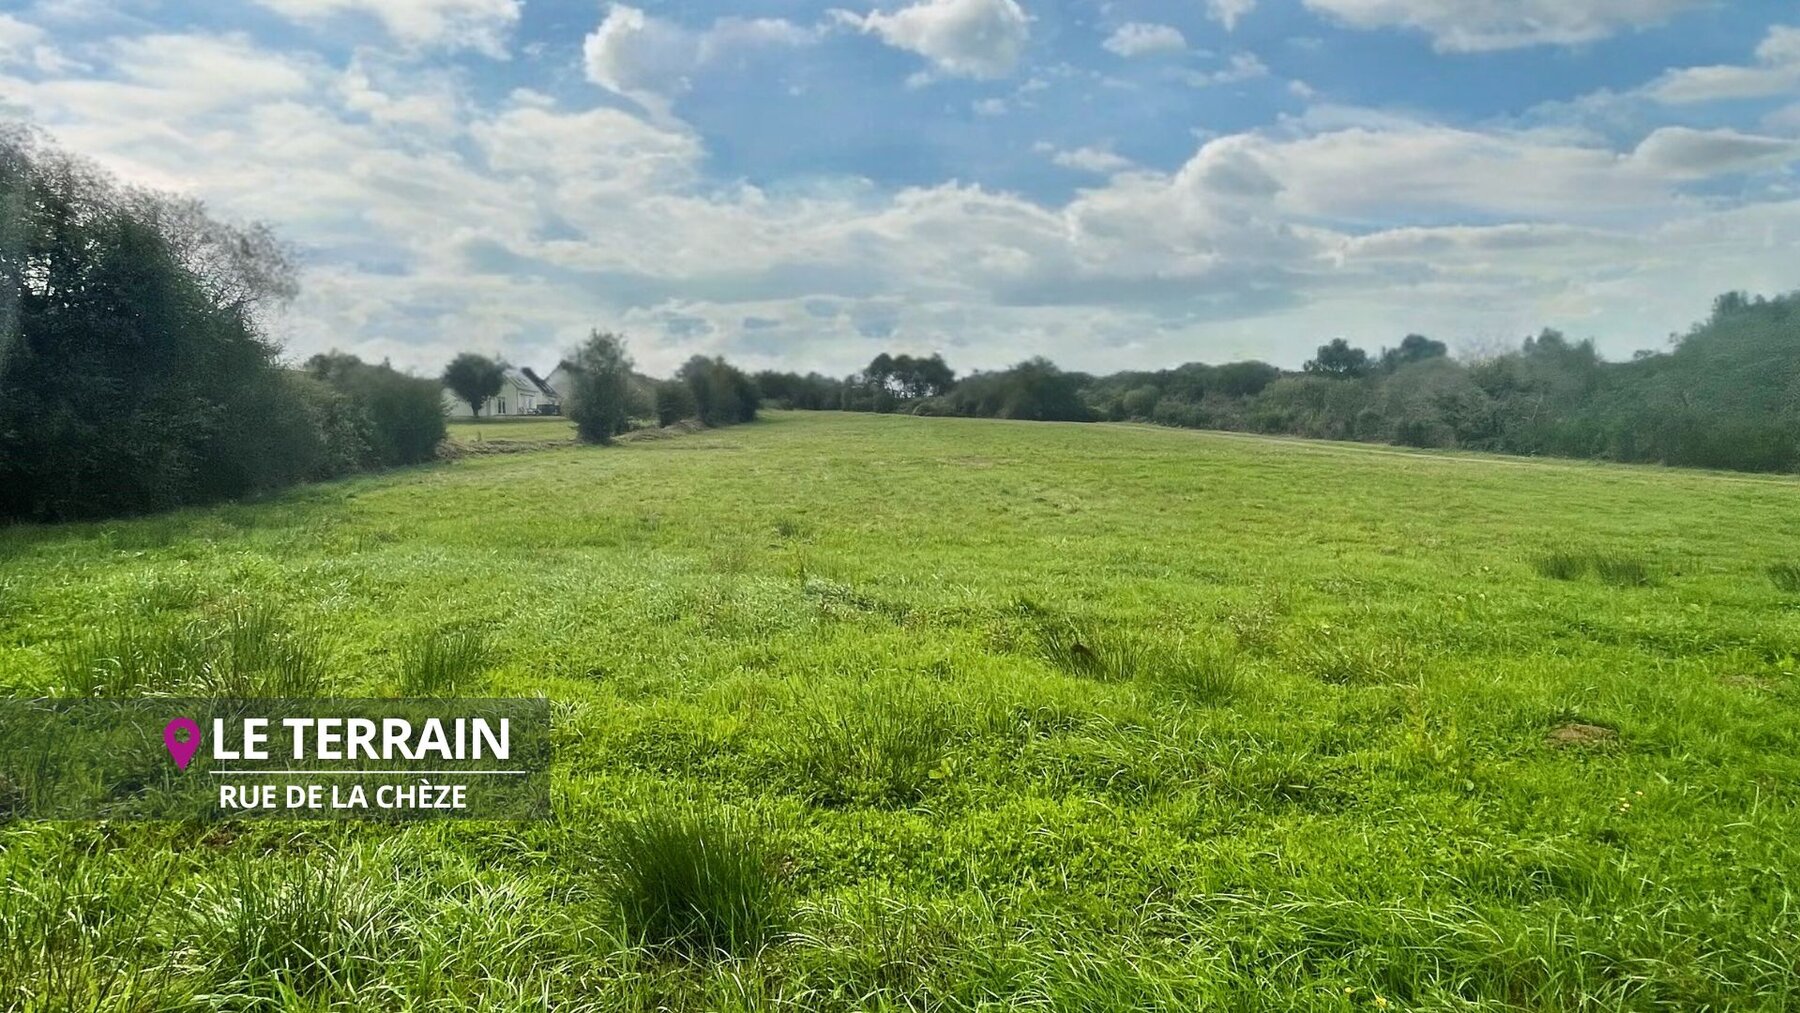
column 522, row 393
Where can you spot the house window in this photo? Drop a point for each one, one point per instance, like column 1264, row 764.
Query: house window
column 500, row 408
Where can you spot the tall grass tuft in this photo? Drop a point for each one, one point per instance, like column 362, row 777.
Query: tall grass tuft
column 696, row 881
column 1620, row 570
column 1785, row 577
column 249, row 653
column 254, row 654
column 1208, row 676
column 1615, row 568
column 128, row 658
column 877, row 745
column 441, row 663
column 1563, row 565
column 316, row 930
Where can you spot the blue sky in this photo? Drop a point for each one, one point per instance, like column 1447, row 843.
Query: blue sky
column 801, row 184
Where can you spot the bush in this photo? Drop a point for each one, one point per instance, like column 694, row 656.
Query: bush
column 133, row 373
column 674, row 402
column 723, row 394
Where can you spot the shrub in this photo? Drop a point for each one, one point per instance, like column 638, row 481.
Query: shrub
column 696, row 880
column 674, row 402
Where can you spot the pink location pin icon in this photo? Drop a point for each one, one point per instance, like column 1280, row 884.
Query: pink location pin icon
column 182, row 751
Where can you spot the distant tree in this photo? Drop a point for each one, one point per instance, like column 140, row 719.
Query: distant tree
column 474, row 378
column 600, row 395
column 1338, row 359
column 1034, row 389
column 674, row 402
column 723, row 394
column 1140, row 402
column 1413, row 348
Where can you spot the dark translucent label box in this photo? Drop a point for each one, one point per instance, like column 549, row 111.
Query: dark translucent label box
column 212, row 759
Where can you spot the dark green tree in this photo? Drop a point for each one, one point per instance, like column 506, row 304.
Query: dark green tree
column 1338, row 359
column 474, row 378
column 599, row 398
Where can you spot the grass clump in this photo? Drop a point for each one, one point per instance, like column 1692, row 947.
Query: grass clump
column 1621, row 570
column 697, row 881
column 252, row 653
column 248, row 653
column 1785, row 577
column 440, row 663
column 1208, row 675
column 1563, row 565
column 315, row 930
column 874, row 745
column 1615, row 568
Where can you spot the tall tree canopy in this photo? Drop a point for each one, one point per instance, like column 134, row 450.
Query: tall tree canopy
column 474, row 378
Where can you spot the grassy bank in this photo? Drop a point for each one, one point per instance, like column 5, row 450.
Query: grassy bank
column 887, row 712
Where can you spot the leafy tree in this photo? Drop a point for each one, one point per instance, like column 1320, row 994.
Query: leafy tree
column 475, row 378
column 723, row 394
column 134, row 374
column 675, row 402
column 600, row 396
column 1413, row 348
column 1338, row 359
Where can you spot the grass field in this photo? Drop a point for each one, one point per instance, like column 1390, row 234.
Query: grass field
column 510, row 429
column 863, row 712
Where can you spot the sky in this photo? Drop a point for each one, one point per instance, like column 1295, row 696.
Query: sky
column 803, row 185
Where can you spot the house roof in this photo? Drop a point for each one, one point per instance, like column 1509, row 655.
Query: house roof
column 538, row 381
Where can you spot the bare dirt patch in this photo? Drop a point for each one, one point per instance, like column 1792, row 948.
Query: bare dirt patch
column 1579, row 736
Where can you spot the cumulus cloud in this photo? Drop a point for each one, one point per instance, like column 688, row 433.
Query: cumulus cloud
column 1775, row 72
column 1137, row 38
column 482, row 25
column 435, row 216
column 961, row 38
column 648, row 58
column 1483, row 25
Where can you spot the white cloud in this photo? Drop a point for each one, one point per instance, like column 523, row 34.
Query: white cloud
column 1229, row 12
column 1685, row 153
column 433, row 217
column 1482, row 25
column 482, row 25
column 1241, row 67
column 17, row 39
column 1776, row 72
column 1100, row 160
column 26, row 45
column 648, row 58
column 1137, row 38
column 961, row 38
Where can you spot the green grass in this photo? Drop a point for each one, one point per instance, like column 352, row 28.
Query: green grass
column 860, row 712
column 510, row 429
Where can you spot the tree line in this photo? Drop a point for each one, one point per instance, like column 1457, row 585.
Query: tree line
column 1725, row 394
column 606, row 397
column 135, row 374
